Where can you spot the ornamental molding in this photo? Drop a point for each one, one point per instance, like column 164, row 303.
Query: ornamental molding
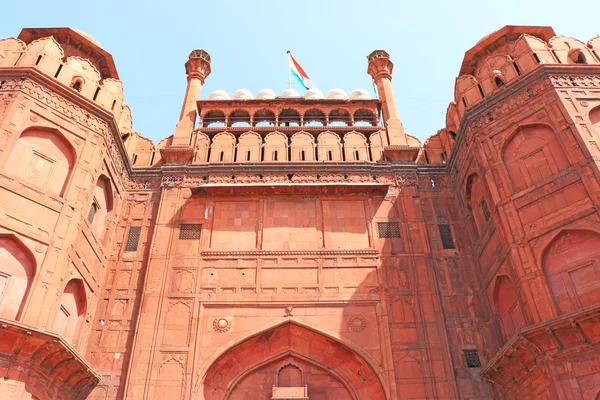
column 267, row 253
column 575, row 80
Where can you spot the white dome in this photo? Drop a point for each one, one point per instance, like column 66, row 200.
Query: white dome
column 337, row 94
column 241, row 94
column 360, row 94
column 218, row 94
column 289, row 93
column 313, row 94
column 265, row 94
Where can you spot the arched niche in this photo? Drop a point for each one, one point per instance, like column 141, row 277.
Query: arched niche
column 477, row 204
column 71, row 313
column 17, row 269
column 302, row 147
column 276, row 147
column 222, row 148
column 43, row 158
column 533, row 153
column 355, row 147
column 377, row 145
column 507, row 307
column 102, row 205
column 289, row 375
column 249, row 147
column 365, row 116
column 262, row 355
column 571, row 264
column 329, row 147
column 201, row 148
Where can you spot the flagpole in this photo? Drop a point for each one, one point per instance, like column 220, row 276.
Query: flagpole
column 289, row 71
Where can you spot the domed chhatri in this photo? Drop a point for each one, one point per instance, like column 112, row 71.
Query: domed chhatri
column 288, row 93
column 265, row 94
column 313, row 94
column 337, row 94
column 218, row 94
column 360, row 94
column 242, row 94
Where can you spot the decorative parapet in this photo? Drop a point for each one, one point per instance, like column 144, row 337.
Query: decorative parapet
column 46, row 365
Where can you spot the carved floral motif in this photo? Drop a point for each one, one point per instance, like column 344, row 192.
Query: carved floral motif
column 221, row 325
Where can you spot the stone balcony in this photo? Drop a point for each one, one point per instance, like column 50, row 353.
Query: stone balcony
column 290, row 393
column 40, row 364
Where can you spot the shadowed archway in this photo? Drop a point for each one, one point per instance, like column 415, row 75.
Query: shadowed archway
column 330, row 369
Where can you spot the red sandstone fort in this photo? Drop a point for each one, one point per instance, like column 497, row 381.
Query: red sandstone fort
column 301, row 246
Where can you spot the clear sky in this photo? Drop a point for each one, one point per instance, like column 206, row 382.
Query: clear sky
column 247, row 40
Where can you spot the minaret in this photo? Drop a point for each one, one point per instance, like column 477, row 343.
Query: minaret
column 380, row 69
column 197, row 69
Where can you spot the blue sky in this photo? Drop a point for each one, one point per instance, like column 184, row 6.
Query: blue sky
column 247, row 40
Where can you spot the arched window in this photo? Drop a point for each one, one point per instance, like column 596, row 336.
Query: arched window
column 576, row 57
column 17, row 268
column 249, row 147
column 329, row 146
column 223, row 147
column 476, row 204
column 43, row 159
column 71, row 313
column 571, row 264
column 499, row 82
column 101, row 207
column 533, row 154
column 507, row 307
column 302, row 147
column 77, row 84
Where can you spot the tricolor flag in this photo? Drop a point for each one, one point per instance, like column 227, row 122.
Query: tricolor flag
column 297, row 71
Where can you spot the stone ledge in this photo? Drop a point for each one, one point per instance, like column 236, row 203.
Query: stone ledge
column 267, row 253
column 44, row 362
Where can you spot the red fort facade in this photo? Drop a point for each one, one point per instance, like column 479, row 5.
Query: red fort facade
column 301, row 246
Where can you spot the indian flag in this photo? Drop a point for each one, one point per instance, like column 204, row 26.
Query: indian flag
column 297, row 71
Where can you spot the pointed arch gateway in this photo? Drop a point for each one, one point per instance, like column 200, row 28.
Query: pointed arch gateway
column 328, row 367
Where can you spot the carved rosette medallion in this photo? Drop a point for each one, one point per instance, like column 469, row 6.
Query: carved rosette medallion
column 357, row 324
column 221, row 325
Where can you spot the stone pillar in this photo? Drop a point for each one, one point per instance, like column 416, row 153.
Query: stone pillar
column 197, row 69
column 380, row 69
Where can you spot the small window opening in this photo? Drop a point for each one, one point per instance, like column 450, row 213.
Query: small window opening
column 112, row 107
column 485, row 210
column 92, row 212
column 2, row 83
column 190, row 231
column 135, row 156
column 18, row 59
column 275, row 155
column 76, row 85
column 453, row 135
column 580, row 58
column 464, row 102
column 356, row 155
column 447, row 238
column 96, row 93
column 536, row 58
column 426, row 157
column 248, row 155
column 329, row 155
column 152, row 158
column 480, row 90
column 133, row 238
column 221, row 155
column 58, row 71
column 444, row 157
column 39, row 58
column 516, row 66
column 472, row 357
column 303, row 155
column 556, row 57
column 388, row 230
column 499, row 82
